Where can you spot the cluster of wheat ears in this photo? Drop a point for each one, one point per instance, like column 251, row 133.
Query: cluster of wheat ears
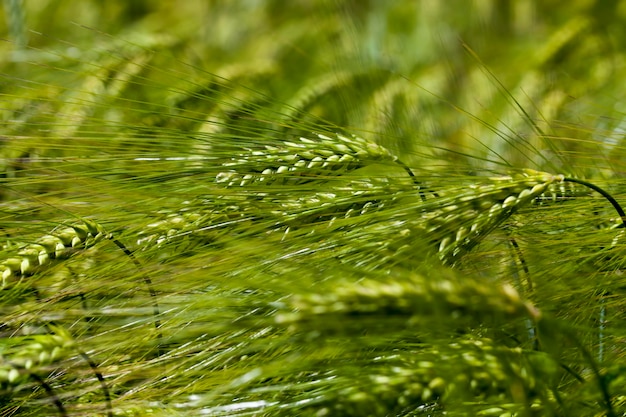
column 295, row 190
column 180, row 243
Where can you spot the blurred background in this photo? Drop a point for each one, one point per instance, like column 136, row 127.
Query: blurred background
column 512, row 82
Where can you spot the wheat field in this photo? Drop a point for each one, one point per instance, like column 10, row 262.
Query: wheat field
column 266, row 208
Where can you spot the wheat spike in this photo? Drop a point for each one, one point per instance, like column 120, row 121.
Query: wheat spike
column 461, row 223
column 60, row 244
column 400, row 302
column 300, row 162
column 32, row 357
column 206, row 219
column 561, row 192
column 199, row 219
column 354, row 198
column 409, row 296
column 482, row 369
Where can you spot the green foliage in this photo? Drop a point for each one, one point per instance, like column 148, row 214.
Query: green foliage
column 312, row 208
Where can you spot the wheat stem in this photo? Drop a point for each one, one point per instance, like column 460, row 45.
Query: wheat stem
column 51, row 394
column 609, row 197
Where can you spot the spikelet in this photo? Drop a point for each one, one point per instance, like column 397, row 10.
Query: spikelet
column 299, row 162
column 60, row 244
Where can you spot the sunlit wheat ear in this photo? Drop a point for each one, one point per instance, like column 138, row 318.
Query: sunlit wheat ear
column 170, row 227
column 204, row 223
column 561, row 192
column 302, row 161
column 471, row 215
column 60, row 244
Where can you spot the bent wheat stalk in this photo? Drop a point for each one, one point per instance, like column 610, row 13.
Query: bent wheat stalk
column 568, row 189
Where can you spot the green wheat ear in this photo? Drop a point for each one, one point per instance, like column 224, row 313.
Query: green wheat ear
column 33, row 357
column 303, row 161
column 409, row 302
column 406, row 297
column 204, row 219
column 474, row 212
column 60, row 244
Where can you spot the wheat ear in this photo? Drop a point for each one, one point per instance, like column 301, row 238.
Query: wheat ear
column 407, row 297
column 32, row 358
column 58, row 245
column 280, row 211
column 61, row 244
column 196, row 218
column 471, row 215
column 302, row 161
